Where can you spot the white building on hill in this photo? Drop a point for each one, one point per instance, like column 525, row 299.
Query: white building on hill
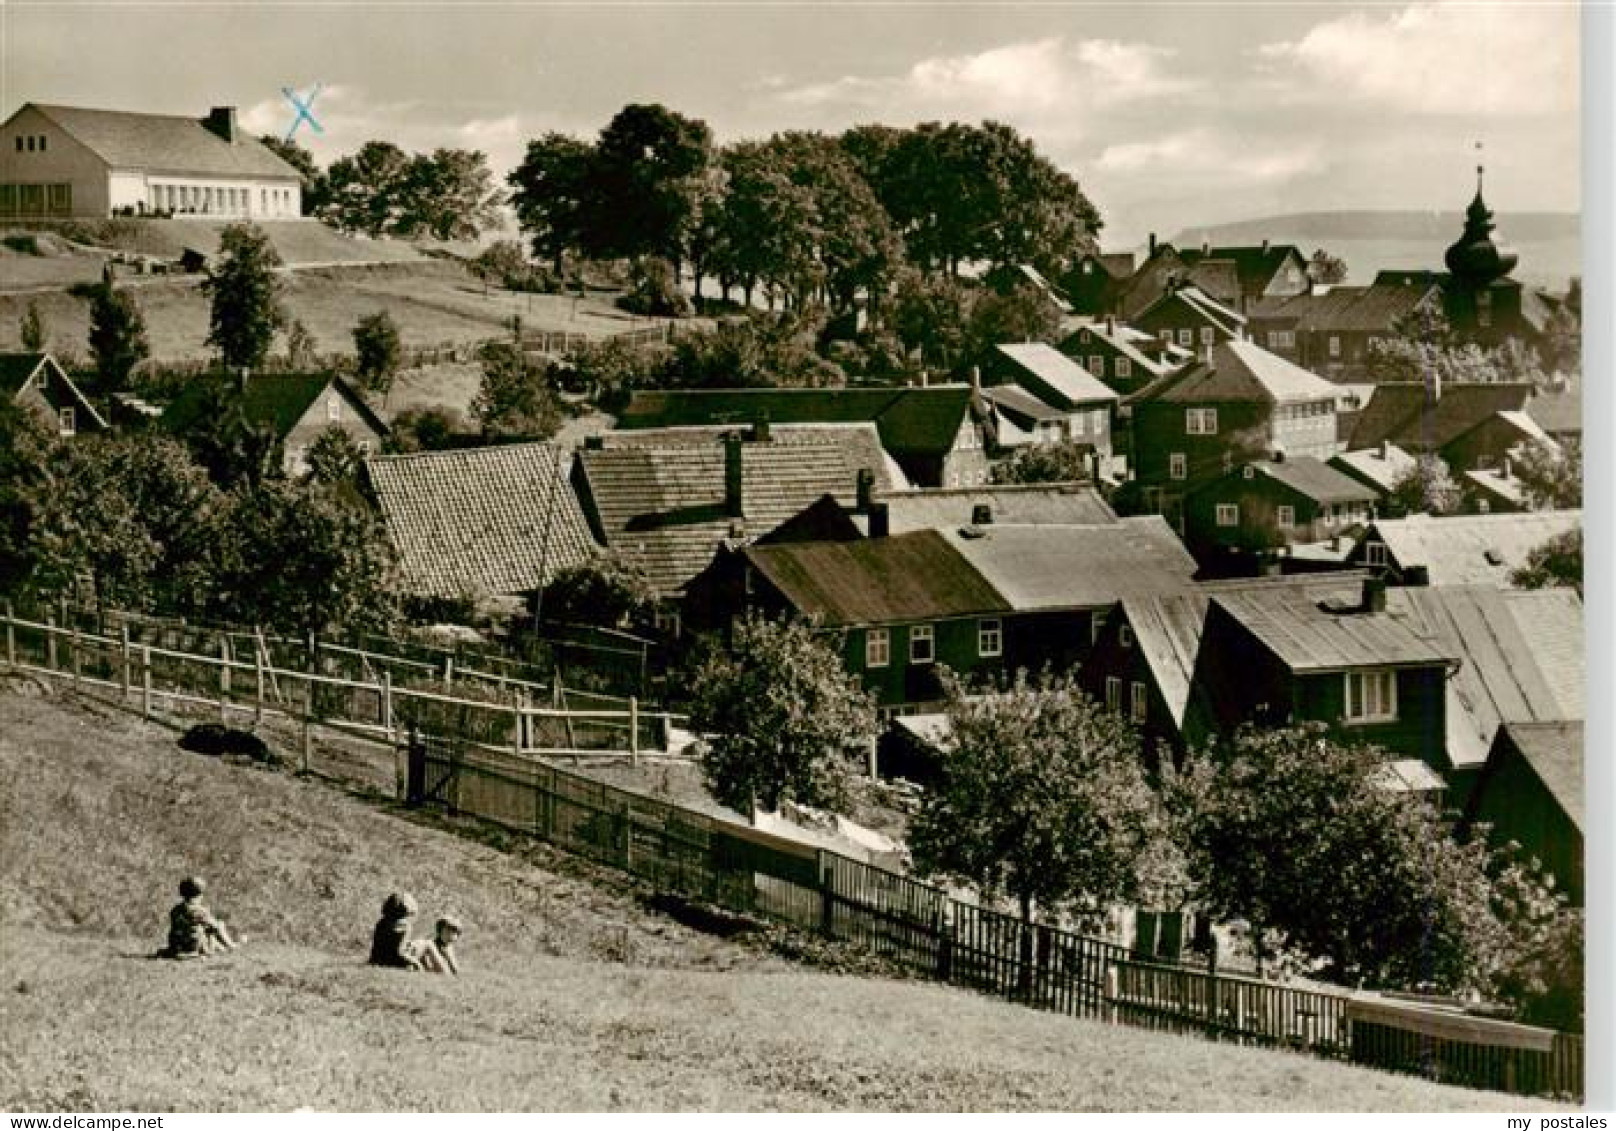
column 62, row 161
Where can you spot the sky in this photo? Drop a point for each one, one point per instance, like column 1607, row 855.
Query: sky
column 1170, row 115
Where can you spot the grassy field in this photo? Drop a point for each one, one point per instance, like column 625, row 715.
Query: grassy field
column 579, row 994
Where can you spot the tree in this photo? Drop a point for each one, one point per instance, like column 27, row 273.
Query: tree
column 552, row 193
column 1551, row 474
column 1065, row 461
column 1557, row 563
column 448, row 195
column 612, row 369
column 645, row 177
column 26, row 442
column 929, row 315
column 117, row 337
column 1024, row 314
column 315, row 194
column 301, row 348
column 1041, row 800
column 334, row 458
column 783, row 714
column 1426, row 488
column 1296, row 832
column 424, row 430
column 378, row 352
column 1326, row 268
column 231, row 448
column 608, row 591
column 366, row 191
column 246, row 307
column 514, row 399
column 33, row 331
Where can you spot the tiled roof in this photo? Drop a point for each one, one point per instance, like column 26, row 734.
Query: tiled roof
column 1239, row 370
column 860, row 442
column 1069, row 380
column 1315, row 479
column 913, row 420
column 1479, row 549
column 1555, row 753
column 495, row 521
column 1382, row 466
column 1055, row 567
column 1308, row 637
column 126, row 140
column 903, row 578
column 1508, row 672
column 1558, row 413
column 1036, row 504
column 664, row 506
column 1400, row 412
column 277, row 400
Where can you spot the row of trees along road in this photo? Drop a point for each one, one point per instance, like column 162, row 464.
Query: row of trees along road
column 1042, row 804
column 803, row 215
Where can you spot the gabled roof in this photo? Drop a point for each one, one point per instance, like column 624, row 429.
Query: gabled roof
column 1256, row 266
column 1345, row 309
column 494, row 521
column 664, row 506
column 126, row 140
column 1555, row 753
column 1208, row 307
column 17, row 370
column 1307, row 476
column 1032, row 505
column 1118, row 264
column 1239, row 371
column 1309, row 636
column 1124, row 339
column 1492, row 483
column 1076, row 567
column 1559, row 412
column 1073, row 384
column 913, row 420
column 1521, row 657
column 1402, row 413
column 861, row 443
column 1024, row 408
column 903, row 578
column 1472, row 549
column 1381, row 467
column 278, row 401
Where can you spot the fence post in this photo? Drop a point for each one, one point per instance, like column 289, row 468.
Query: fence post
column 1111, row 992
column 224, row 677
column 827, row 896
column 145, row 681
column 258, row 691
column 516, row 723
column 387, row 704
column 1212, row 992
column 308, row 721
column 123, row 645
column 50, row 641
column 448, row 673
column 76, row 662
column 11, row 634
column 633, row 731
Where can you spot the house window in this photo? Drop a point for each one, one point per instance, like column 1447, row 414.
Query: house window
column 1228, row 514
column 877, row 648
column 1206, row 335
column 989, row 638
column 922, row 644
column 42, row 140
column 1098, row 419
column 1335, row 345
column 1176, row 466
column 1375, row 553
column 1167, row 337
column 19, row 143
column 667, row 621
column 1281, row 339
column 1201, row 421
column 1371, row 696
column 1287, row 517
column 1138, row 702
column 1186, row 336
column 1078, row 424
column 1124, row 367
column 1113, row 692
column 1125, row 636
column 1096, row 626
column 333, row 407
column 66, row 419
column 364, row 447
column 1096, row 365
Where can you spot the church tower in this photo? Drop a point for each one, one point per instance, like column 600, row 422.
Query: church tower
column 1483, row 303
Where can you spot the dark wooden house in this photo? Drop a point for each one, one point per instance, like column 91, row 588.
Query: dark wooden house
column 1263, row 505
column 38, row 382
column 1530, row 793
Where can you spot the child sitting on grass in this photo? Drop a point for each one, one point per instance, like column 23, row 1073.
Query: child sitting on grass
column 193, row 932
column 390, row 942
column 437, row 956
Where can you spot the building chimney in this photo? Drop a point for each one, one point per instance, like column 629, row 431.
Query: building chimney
column 1433, row 387
column 1152, row 243
column 1265, row 247
column 760, row 428
column 982, row 514
column 594, row 443
column 976, row 379
column 1206, row 246
column 1111, row 325
column 1386, row 449
column 221, row 120
column 1504, row 469
column 866, row 491
column 1374, row 595
column 880, row 520
column 733, row 502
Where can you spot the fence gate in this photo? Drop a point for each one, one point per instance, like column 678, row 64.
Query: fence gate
column 434, row 770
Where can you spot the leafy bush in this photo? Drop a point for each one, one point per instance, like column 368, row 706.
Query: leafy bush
column 652, row 290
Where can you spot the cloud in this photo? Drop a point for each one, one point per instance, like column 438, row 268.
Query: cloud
column 1438, row 58
column 1210, row 159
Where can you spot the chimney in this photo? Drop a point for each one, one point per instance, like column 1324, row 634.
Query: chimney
column 1206, row 246
column 1385, row 449
column 982, row 514
column 732, row 476
column 221, row 120
column 594, row 443
column 1504, row 469
column 880, row 521
column 760, row 428
column 976, row 379
column 1152, row 243
column 1265, row 247
column 1433, row 387
column 1111, row 325
column 1374, row 595
column 866, row 491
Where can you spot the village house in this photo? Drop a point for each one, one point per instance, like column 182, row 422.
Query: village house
column 287, row 412
column 1095, row 282
column 1331, row 331
column 1468, row 425
column 38, row 382
column 1380, row 468
column 1188, row 317
column 1482, row 549
column 1530, row 794
column 480, row 522
column 1083, row 404
column 1124, row 358
column 1263, row 505
column 1236, row 277
column 66, row 161
column 1235, row 402
column 1494, row 490
column 938, row 434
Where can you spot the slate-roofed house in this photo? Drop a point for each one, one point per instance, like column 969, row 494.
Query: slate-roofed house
column 289, row 411
column 937, row 433
column 1264, row 504
column 1530, row 792
column 1379, row 468
column 1188, row 316
column 1262, row 271
column 1197, row 422
column 1124, row 358
column 1236, row 277
column 38, row 382
column 1096, row 281
column 495, row 521
column 1083, row 401
column 1468, row 425
column 1481, row 549
column 1331, row 332
column 62, row 161
column 670, row 508
column 861, row 444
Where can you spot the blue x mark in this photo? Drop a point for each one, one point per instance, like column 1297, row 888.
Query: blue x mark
column 302, row 105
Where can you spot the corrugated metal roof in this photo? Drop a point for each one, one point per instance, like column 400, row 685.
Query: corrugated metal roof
column 1035, row 504
column 1478, row 549
column 1052, row 567
column 1308, row 637
column 126, row 140
column 1555, row 753
column 1063, row 375
column 490, row 521
column 899, row 579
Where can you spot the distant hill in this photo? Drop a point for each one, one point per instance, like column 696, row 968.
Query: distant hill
column 1549, row 243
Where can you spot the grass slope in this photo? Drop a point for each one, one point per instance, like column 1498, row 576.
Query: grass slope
column 576, row 996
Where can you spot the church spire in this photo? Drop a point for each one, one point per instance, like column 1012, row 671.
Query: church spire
column 1475, row 259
